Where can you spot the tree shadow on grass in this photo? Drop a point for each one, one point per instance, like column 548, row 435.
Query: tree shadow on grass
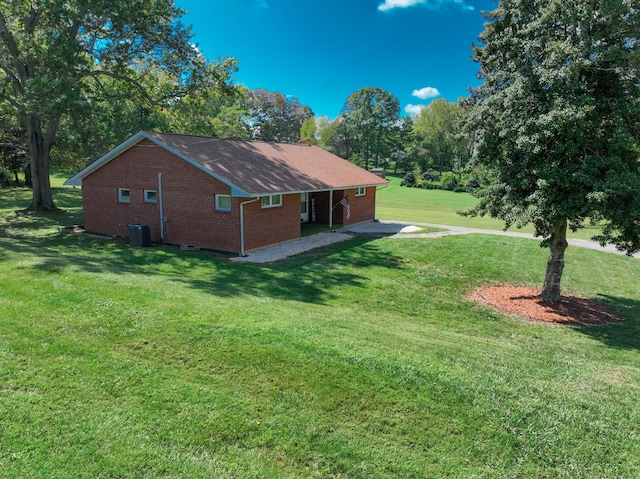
column 621, row 335
column 311, row 277
column 314, row 276
column 36, row 222
column 19, row 198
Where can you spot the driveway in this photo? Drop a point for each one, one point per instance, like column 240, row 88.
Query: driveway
column 384, row 228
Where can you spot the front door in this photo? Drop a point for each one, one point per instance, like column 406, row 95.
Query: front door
column 304, row 207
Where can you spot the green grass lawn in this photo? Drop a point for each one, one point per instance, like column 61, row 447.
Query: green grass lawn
column 360, row 360
column 441, row 207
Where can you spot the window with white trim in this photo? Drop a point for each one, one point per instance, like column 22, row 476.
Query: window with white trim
column 223, row 202
column 361, row 191
column 271, row 201
column 123, row 195
column 150, row 196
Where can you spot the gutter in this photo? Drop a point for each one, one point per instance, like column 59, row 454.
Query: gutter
column 375, row 205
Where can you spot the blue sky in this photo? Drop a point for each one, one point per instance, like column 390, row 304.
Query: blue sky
column 320, row 51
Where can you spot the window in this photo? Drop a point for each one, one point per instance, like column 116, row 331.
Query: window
column 123, row 195
column 223, row 202
column 271, row 201
column 150, row 196
column 361, row 190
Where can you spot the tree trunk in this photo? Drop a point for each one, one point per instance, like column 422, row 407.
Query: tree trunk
column 39, row 149
column 555, row 264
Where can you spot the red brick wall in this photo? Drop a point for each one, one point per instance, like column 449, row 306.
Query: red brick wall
column 264, row 226
column 188, row 204
column 188, row 196
column 363, row 208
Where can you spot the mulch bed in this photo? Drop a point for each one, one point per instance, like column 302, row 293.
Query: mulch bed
column 525, row 302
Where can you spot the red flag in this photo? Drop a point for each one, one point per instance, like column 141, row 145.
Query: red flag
column 347, row 209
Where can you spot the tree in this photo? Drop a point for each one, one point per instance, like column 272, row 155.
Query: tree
column 557, row 121
column 230, row 122
column 337, row 137
column 308, row 131
column 328, row 138
column 404, row 142
column 13, row 148
column 210, row 111
column 437, row 132
column 370, row 124
column 54, row 54
column 116, row 109
column 274, row 117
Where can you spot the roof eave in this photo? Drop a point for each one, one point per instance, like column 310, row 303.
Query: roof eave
column 135, row 139
column 77, row 179
column 318, row 190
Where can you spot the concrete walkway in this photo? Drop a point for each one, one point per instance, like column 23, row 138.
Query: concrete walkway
column 390, row 229
column 453, row 230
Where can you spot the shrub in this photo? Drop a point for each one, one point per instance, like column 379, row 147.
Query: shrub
column 460, row 189
column 408, row 180
column 5, row 176
column 449, row 181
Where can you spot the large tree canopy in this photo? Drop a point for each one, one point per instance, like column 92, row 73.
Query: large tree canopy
column 119, row 108
column 369, row 124
column 437, row 134
column 56, row 54
column 557, row 119
column 274, row 117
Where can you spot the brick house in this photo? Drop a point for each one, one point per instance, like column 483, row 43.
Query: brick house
column 221, row 194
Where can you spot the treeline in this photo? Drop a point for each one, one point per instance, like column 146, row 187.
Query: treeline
column 77, row 79
column 371, row 132
column 117, row 111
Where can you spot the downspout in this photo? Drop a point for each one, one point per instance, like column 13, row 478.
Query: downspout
column 161, row 208
column 242, row 223
column 375, row 204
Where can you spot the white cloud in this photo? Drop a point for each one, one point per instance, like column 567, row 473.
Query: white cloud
column 432, row 4
column 426, row 92
column 391, row 4
column 464, row 6
column 414, row 109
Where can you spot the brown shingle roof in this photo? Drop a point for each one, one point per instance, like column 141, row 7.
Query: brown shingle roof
column 258, row 167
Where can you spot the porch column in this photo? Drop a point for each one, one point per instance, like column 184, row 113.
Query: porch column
column 330, row 208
